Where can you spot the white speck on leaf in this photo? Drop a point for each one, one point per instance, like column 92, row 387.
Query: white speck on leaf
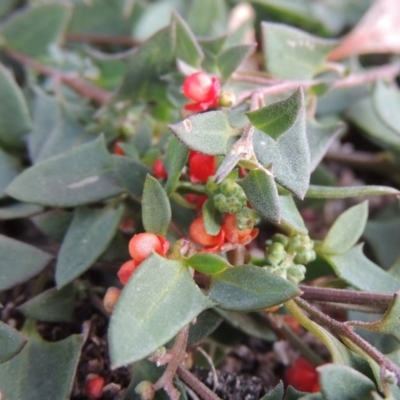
column 187, row 123
column 87, row 181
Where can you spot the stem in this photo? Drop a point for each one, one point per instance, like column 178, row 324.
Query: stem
column 99, row 96
column 384, row 72
column 236, row 256
column 179, row 352
column 199, row 387
column 342, row 329
column 345, row 296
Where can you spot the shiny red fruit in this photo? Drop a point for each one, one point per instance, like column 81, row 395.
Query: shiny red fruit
column 159, row 169
column 302, row 376
column 94, row 387
column 143, row 244
column 201, row 166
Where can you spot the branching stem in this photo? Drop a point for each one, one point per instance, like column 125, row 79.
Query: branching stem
column 343, row 330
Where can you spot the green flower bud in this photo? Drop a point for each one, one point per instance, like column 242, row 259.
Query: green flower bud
column 220, row 203
column 295, row 242
column 226, row 98
column 280, row 238
column 275, row 253
column 234, row 205
column 246, row 218
column 304, row 256
column 229, row 187
column 296, row 273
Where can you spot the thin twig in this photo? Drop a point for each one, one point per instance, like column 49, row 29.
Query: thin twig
column 179, row 352
column 345, row 296
column 199, row 387
column 97, row 95
column 212, row 366
column 342, row 329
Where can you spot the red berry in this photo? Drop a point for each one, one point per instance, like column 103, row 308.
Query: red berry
column 202, row 89
column 143, row 244
column 117, row 150
column 201, row 166
column 94, row 387
column 302, row 376
column 126, row 270
column 199, row 235
column 159, row 170
column 111, row 298
column 235, row 235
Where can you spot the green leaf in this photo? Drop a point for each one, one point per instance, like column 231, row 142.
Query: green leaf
column 346, row 230
column 290, row 53
column 386, row 101
column 165, row 298
column 19, row 210
column 132, row 175
column 78, row 176
column 230, row 59
column 11, row 341
column 340, row 382
column 289, row 156
column 206, row 323
column 54, row 223
column 9, row 167
column 146, row 67
column 253, row 324
column 208, row 263
column 177, row 155
column 262, row 193
column 276, row 393
column 388, row 324
column 55, row 130
column 22, row 378
column 88, row 236
column 52, row 305
column 331, row 192
column 208, row 133
column 33, row 30
column 19, row 262
column 277, row 118
column 211, row 218
column 320, row 137
column 14, row 113
column 214, row 17
column 357, row 270
column 290, row 216
column 156, row 210
column 363, row 114
column 187, row 48
column 249, row 288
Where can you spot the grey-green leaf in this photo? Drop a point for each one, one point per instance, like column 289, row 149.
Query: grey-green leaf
column 88, row 236
column 230, row 59
column 177, row 154
column 19, row 210
column 9, row 167
column 52, row 305
column 54, row 223
column 22, row 378
column 19, row 262
column 340, row 382
column 14, row 114
column 290, row 53
column 332, row 192
column 346, row 230
column 320, row 137
column 84, row 174
column 357, row 270
column 262, row 193
column 289, row 156
column 158, row 301
column 277, row 118
column 33, row 30
column 249, row 288
column 156, row 209
column 290, row 215
column 11, row 341
column 208, row 132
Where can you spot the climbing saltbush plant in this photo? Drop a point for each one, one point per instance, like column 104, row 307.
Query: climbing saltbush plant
column 199, row 166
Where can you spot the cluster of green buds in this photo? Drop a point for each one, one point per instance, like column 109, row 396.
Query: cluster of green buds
column 287, row 255
column 229, row 198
